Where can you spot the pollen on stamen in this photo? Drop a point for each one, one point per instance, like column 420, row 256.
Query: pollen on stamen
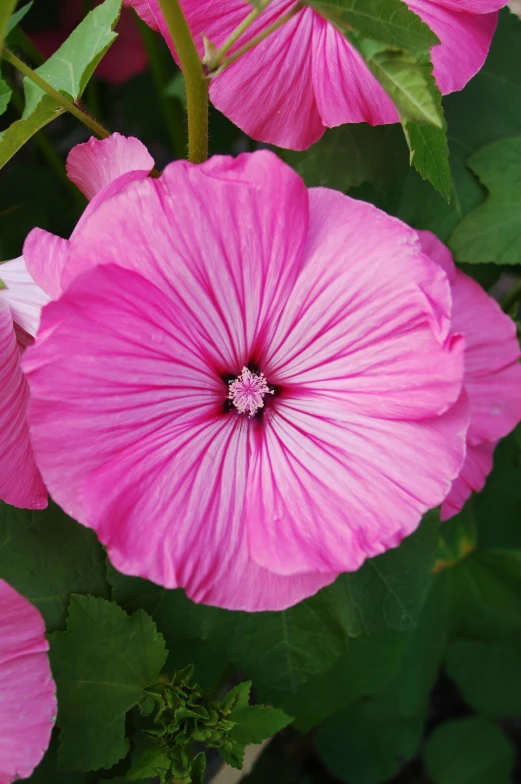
column 247, row 392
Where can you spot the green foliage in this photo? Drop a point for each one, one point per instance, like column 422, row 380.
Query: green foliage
column 186, row 714
column 68, row 71
column 488, row 674
column 5, row 96
column 469, row 751
column 386, row 21
column 492, row 231
column 102, row 664
column 47, row 556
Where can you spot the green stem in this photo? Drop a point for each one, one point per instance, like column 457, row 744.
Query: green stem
column 6, row 9
column 49, row 153
column 195, row 79
column 234, row 37
column 257, row 40
column 173, row 119
column 513, row 296
column 89, row 121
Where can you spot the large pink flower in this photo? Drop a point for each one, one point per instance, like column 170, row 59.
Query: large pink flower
column 27, row 690
column 492, row 373
column 21, row 301
column 306, row 77
column 125, row 58
column 246, row 387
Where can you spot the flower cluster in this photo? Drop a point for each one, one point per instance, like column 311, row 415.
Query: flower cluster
column 245, row 387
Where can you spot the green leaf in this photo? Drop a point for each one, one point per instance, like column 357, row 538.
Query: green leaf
column 18, row 16
column 71, row 66
column 369, row 666
column 389, row 591
column 284, row 649
column 101, row 665
column 256, row 723
column 47, row 771
column 469, row 751
column 387, row 21
column 68, row 70
column 481, row 594
column 492, row 231
column 347, row 156
column 498, row 506
column 14, row 137
column 430, row 154
column 407, row 80
column 371, row 740
column 366, row 745
column 488, row 674
column 5, row 95
column 194, row 633
column 148, row 765
column 47, row 556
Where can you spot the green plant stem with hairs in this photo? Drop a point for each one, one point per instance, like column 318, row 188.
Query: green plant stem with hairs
column 195, row 79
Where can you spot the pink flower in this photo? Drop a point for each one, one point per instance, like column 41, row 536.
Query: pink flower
column 125, row 58
column 21, row 302
column 492, row 373
column 250, row 488
column 306, row 77
column 27, row 690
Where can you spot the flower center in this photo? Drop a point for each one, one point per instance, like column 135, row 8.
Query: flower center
column 247, row 392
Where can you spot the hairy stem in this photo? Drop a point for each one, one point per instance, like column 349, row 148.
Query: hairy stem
column 6, row 9
column 195, row 79
column 86, row 119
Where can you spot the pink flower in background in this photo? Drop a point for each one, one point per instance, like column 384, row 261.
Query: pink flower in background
column 492, row 373
column 246, row 387
column 27, row 690
column 21, row 301
column 125, row 58
column 306, row 77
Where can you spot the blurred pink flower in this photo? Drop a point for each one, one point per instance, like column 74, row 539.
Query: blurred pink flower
column 20, row 307
column 492, row 373
column 306, row 77
column 27, row 690
column 250, row 488
column 125, row 58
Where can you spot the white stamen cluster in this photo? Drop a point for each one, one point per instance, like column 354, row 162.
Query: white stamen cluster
column 247, row 392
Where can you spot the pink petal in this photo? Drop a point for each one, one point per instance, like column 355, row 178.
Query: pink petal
column 95, row 164
column 492, row 369
column 330, row 488
column 345, row 89
column 154, row 443
column 476, row 468
column 465, row 41
column 368, row 321
column 24, row 297
column 225, row 237
column 142, row 8
column 275, row 102
column 352, row 457
column 28, row 702
column 473, row 6
column 45, row 255
column 20, row 481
